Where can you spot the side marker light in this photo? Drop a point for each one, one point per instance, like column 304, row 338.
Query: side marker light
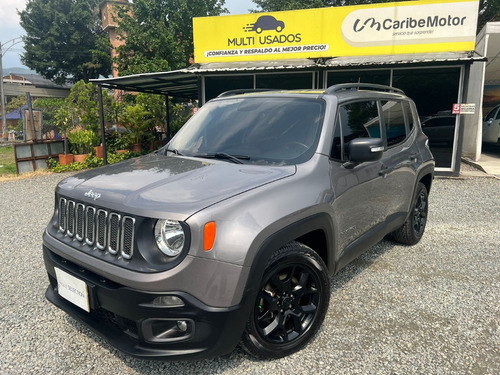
column 209, row 235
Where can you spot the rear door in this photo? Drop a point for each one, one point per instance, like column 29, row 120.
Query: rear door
column 401, row 156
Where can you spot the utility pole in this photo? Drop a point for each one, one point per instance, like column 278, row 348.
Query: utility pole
column 4, row 120
column 5, row 134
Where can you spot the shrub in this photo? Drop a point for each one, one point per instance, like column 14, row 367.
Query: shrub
column 83, row 140
column 90, row 162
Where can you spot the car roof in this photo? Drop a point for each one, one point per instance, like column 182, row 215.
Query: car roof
column 344, row 92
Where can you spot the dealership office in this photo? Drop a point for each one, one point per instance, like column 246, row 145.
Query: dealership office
column 424, row 49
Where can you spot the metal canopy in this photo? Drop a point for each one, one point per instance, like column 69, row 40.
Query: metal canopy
column 174, row 83
column 185, row 83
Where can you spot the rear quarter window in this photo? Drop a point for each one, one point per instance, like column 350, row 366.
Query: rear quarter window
column 394, row 120
column 409, row 116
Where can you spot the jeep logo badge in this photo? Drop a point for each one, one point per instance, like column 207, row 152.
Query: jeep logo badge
column 92, row 195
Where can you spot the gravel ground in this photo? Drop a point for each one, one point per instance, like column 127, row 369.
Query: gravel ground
column 428, row 309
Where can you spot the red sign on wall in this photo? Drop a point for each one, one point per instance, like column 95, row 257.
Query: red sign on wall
column 464, row 109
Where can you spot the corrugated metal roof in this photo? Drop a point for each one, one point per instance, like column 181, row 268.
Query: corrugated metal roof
column 174, row 83
column 254, row 66
column 34, row 80
column 422, row 58
column 185, row 82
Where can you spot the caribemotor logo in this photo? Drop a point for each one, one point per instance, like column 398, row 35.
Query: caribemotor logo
column 421, row 23
column 408, row 23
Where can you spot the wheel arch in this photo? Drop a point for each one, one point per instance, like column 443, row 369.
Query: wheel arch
column 315, row 231
column 426, row 179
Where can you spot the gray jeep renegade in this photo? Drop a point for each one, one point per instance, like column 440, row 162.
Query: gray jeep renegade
column 228, row 235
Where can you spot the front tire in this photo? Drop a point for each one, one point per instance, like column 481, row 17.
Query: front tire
column 413, row 229
column 291, row 303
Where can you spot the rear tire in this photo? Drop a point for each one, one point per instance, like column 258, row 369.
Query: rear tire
column 413, row 229
column 291, row 303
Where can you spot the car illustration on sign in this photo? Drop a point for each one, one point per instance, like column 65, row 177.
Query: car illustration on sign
column 265, row 23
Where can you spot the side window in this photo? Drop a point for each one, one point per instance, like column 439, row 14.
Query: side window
column 394, row 120
column 409, row 116
column 356, row 120
column 497, row 116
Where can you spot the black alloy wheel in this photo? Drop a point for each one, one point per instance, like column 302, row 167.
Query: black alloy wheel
column 413, row 229
column 291, row 303
column 420, row 213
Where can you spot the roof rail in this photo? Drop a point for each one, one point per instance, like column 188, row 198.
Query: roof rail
column 242, row 91
column 359, row 86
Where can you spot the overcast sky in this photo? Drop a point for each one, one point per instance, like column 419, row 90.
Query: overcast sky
column 10, row 28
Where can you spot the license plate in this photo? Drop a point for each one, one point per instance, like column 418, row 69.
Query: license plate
column 72, row 289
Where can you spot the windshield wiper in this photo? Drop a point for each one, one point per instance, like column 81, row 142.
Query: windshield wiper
column 224, row 156
column 175, row 151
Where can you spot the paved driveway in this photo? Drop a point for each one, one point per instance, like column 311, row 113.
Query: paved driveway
column 428, row 309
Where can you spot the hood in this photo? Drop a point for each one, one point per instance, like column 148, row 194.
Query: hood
column 161, row 186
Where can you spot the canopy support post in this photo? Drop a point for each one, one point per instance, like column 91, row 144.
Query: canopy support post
column 103, row 130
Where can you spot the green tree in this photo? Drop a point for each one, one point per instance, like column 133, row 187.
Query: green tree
column 16, row 103
column 49, row 108
column 83, row 104
column 489, row 10
column 279, row 5
column 180, row 110
column 138, row 122
column 64, row 40
column 155, row 107
column 65, row 122
column 158, row 35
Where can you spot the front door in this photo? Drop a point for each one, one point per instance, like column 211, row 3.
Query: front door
column 361, row 194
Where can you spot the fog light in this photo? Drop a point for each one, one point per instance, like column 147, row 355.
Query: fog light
column 170, row 301
column 167, row 330
column 182, row 325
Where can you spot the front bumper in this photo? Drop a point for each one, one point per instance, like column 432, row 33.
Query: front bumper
column 129, row 321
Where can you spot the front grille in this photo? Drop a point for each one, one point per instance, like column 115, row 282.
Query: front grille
column 90, row 225
column 113, row 233
column 127, row 238
column 70, row 219
column 102, row 219
column 107, row 231
column 80, row 221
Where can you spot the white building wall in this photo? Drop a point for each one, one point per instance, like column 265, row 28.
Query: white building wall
column 471, row 147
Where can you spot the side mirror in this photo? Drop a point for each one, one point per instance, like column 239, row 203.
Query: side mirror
column 361, row 150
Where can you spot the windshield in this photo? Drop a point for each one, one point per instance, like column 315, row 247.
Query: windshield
column 257, row 130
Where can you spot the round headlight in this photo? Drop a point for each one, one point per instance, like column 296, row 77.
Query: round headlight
column 169, row 237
